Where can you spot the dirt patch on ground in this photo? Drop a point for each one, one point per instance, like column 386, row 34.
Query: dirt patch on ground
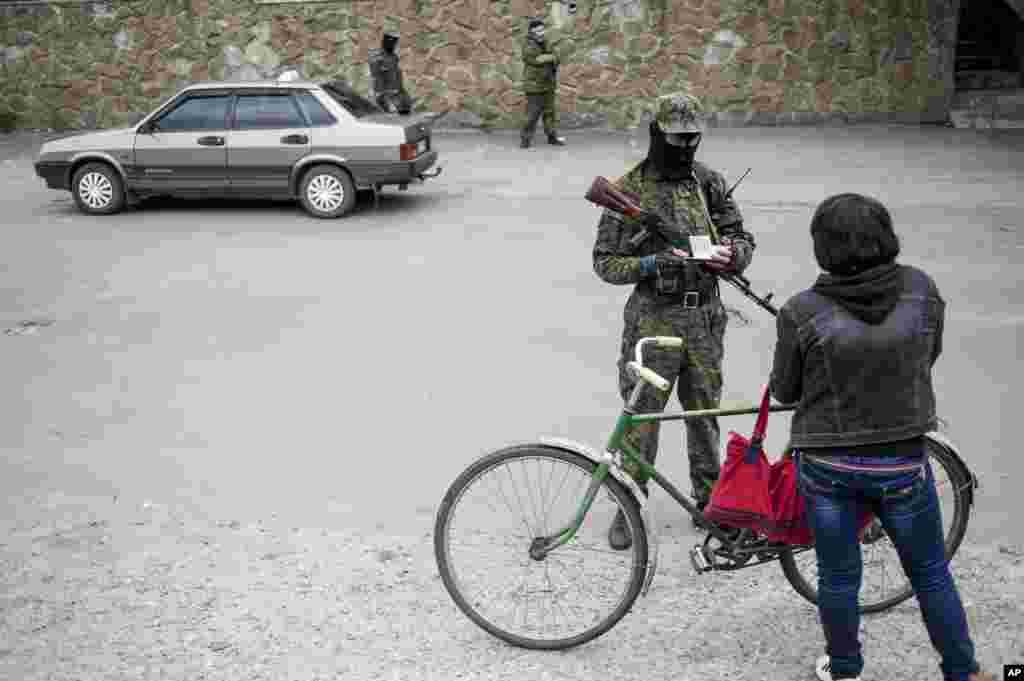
column 93, row 589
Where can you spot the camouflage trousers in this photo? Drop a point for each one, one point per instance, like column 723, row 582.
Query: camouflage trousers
column 536, row 105
column 696, row 370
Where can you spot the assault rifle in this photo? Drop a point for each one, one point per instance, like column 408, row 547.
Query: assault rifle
column 603, row 193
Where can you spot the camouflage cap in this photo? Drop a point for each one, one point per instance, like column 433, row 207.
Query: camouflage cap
column 679, row 112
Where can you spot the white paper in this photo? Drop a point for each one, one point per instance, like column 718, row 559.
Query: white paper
column 700, row 247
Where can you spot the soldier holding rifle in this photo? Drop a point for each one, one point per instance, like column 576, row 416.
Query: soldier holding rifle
column 674, row 296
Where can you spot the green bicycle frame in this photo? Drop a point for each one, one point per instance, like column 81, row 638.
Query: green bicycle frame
column 631, row 458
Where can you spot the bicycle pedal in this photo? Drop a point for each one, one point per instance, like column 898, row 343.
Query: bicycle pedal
column 700, row 560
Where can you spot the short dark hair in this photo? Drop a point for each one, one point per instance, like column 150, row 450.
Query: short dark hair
column 852, row 233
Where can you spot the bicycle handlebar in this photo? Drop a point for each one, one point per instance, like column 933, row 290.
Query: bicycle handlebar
column 650, row 376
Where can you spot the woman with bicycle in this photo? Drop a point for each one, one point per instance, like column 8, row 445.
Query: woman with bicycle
column 855, row 351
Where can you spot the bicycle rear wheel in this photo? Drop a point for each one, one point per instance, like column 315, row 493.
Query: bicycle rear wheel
column 884, row 583
column 482, row 536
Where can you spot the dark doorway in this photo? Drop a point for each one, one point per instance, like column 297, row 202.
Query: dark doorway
column 990, row 46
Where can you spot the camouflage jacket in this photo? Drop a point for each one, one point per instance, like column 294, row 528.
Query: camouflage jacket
column 616, row 261
column 538, row 77
column 385, row 72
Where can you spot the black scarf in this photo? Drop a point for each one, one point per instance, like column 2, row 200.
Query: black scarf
column 869, row 295
column 672, row 162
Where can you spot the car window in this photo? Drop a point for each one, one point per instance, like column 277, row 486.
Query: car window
column 315, row 111
column 261, row 111
column 343, row 94
column 196, row 113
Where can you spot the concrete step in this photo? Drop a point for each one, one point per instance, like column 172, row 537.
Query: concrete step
column 988, row 109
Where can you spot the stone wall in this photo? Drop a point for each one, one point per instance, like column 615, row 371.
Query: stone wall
column 89, row 64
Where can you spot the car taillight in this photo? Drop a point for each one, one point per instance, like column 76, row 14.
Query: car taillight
column 407, row 152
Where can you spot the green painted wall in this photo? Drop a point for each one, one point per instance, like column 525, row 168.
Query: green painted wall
column 81, row 65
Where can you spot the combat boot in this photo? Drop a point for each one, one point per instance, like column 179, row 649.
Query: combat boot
column 699, row 522
column 524, row 142
column 555, row 140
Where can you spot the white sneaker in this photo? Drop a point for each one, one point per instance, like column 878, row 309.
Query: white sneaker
column 823, row 668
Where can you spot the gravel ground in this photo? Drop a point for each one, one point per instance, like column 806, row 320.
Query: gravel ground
column 104, row 589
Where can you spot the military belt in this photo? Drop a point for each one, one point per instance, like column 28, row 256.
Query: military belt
column 705, row 294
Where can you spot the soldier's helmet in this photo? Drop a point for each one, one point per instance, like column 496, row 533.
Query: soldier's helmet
column 678, row 113
column 534, row 22
column 389, row 40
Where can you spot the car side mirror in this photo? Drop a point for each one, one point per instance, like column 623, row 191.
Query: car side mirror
column 149, row 128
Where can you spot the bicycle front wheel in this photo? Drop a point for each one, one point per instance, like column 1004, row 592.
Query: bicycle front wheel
column 483, row 533
column 883, row 583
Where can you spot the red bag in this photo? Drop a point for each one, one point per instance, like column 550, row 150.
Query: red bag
column 740, row 496
column 789, row 519
column 753, row 494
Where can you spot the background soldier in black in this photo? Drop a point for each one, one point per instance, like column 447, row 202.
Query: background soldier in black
column 388, row 89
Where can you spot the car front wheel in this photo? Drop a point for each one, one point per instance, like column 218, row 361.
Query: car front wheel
column 98, row 189
column 327, row 192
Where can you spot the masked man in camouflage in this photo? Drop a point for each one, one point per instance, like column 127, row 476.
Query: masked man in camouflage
column 388, row 89
column 672, row 296
column 540, row 79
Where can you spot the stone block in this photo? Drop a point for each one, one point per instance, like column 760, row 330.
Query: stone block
column 575, row 120
column 24, row 38
column 823, row 96
column 804, row 118
column 767, row 118
column 770, row 54
column 838, row 40
column 88, row 120
column 769, row 71
column 728, row 119
column 122, row 40
column 462, row 119
column 904, row 73
column 833, row 118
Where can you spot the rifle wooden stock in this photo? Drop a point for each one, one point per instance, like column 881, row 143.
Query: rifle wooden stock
column 603, row 193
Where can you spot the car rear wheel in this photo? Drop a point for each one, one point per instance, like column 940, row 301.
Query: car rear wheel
column 327, row 192
column 98, row 189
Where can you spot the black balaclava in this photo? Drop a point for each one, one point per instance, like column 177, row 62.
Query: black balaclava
column 670, row 161
column 389, row 42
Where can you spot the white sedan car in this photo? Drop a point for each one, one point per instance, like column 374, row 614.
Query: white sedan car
column 317, row 142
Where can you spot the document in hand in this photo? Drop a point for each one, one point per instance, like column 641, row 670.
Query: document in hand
column 700, row 247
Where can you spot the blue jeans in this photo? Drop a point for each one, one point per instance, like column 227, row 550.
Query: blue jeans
column 907, row 505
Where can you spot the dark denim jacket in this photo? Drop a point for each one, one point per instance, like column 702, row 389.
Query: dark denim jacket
column 858, row 383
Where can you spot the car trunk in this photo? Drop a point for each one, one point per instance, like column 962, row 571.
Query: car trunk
column 417, row 126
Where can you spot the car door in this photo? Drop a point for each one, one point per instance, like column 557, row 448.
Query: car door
column 269, row 134
column 184, row 149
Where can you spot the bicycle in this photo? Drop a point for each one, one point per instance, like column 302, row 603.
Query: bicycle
column 539, row 565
